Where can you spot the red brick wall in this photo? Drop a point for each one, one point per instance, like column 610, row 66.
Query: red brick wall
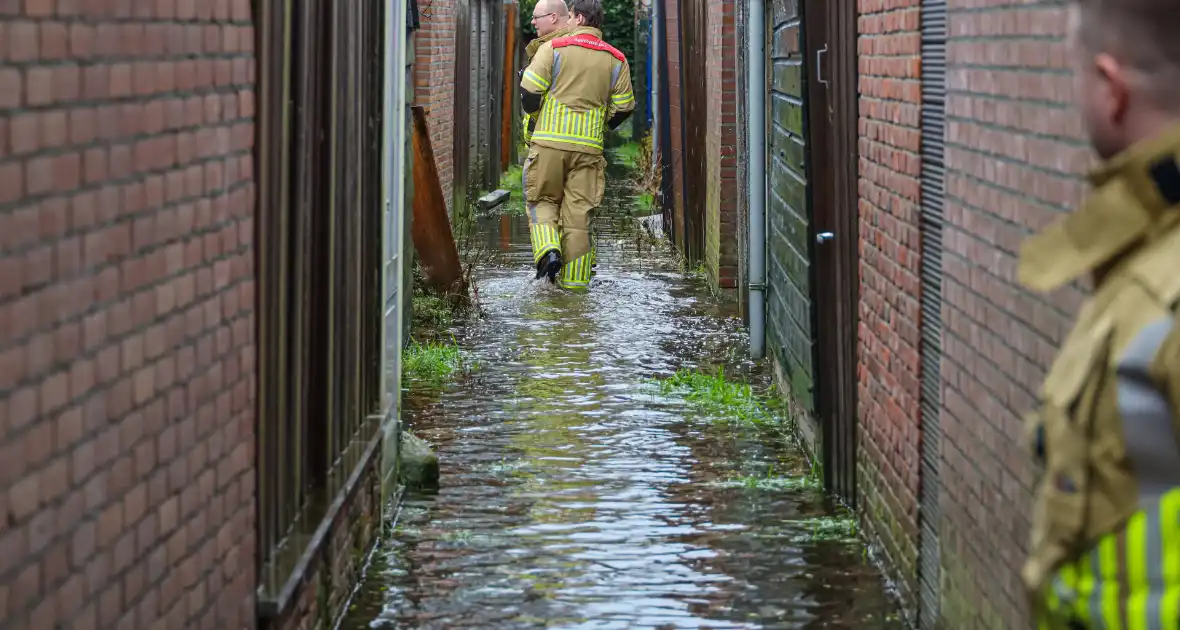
column 126, row 314
column 434, row 70
column 1014, row 151
column 889, row 214
column 722, row 137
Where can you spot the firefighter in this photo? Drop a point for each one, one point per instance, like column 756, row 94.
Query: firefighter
column 550, row 19
column 576, row 85
column 1105, row 547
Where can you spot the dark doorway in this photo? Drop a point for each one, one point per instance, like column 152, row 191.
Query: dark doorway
column 829, row 35
column 463, row 149
column 694, row 94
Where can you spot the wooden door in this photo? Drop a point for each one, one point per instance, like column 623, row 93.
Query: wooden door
column 829, row 35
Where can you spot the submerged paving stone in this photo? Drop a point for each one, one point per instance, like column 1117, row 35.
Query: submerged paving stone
column 577, row 492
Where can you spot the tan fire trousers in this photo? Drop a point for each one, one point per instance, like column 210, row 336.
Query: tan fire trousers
column 561, row 190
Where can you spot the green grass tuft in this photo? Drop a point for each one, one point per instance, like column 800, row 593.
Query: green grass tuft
column 829, row 528
column 431, row 364
column 430, row 311
column 809, row 482
column 628, row 154
column 714, row 394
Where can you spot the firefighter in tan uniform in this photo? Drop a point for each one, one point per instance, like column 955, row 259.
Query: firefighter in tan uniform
column 551, row 19
column 576, row 85
column 1105, row 548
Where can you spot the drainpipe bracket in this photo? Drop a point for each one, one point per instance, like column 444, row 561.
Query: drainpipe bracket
column 757, row 286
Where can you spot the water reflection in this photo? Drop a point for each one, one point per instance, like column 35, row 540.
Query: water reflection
column 574, row 496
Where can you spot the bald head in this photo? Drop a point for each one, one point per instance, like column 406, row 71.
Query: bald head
column 549, row 16
column 1127, row 68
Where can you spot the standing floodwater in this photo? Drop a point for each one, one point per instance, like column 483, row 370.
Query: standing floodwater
column 576, row 493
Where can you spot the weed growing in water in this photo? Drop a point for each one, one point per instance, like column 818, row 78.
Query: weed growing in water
column 431, row 311
column 714, row 394
column 431, row 364
column 628, row 155
column 829, row 528
column 809, row 482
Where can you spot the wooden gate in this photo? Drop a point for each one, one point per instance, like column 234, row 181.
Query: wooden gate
column 830, row 44
column 694, row 44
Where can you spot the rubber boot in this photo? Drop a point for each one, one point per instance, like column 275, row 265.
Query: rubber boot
column 549, row 265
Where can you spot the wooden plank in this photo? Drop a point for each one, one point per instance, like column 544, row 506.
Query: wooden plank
column 431, row 229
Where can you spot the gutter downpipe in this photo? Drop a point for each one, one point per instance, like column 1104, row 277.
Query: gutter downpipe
column 756, row 172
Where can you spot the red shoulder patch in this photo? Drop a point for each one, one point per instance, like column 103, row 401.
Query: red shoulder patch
column 588, row 41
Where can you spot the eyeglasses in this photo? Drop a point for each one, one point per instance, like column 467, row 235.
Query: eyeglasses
column 539, row 17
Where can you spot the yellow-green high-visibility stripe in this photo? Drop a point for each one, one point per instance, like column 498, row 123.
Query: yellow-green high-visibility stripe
column 622, row 99
column 1084, row 570
column 1138, row 587
column 545, row 239
column 1129, row 581
column 1108, row 557
column 537, row 80
column 559, row 123
column 1169, row 559
column 575, row 275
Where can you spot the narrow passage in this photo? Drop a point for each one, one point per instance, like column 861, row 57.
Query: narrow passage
column 581, row 488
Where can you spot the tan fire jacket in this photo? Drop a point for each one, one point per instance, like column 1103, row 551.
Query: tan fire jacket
column 579, row 84
column 1106, row 533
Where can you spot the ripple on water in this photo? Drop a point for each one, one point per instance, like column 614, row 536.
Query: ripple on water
column 575, row 496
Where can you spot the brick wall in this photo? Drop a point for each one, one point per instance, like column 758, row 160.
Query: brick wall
column 338, row 564
column 888, row 400
column 1014, row 151
column 126, row 314
column 721, row 138
column 435, row 83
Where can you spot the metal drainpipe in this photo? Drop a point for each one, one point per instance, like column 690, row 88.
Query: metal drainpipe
column 756, row 129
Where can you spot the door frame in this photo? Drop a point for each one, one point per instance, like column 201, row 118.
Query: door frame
column 829, row 41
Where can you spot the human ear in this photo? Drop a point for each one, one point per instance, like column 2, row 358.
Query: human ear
column 1115, row 93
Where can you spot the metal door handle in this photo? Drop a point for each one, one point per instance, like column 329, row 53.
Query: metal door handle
column 824, row 237
column 819, row 71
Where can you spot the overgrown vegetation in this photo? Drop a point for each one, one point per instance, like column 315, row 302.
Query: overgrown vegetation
column 773, row 480
column 722, row 398
column 431, row 364
column 823, row 528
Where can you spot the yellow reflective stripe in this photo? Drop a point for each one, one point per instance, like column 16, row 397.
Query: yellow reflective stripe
column 1138, row 588
column 1108, row 555
column 1085, row 587
column 567, row 139
column 536, row 80
column 545, row 239
column 1066, row 586
column 1169, row 521
column 576, row 274
column 559, row 123
column 622, row 99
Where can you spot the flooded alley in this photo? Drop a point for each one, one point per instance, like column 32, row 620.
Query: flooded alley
column 596, row 474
